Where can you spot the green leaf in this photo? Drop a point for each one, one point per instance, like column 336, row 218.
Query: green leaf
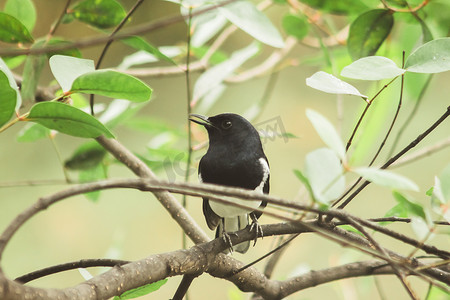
column 143, row 57
column 216, row 58
column 386, row 178
column 33, row 67
column 397, row 3
column 427, row 36
column 324, row 172
column 67, row 52
column 140, row 44
column 432, row 57
column 14, row 61
column 142, row 290
column 296, row 26
column 397, row 211
column 305, row 181
column 214, row 76
column 67, row 68
column 351, row 229
column 112, row 84
column 436, row 293
column 86, row 157
column 247, row 17
column 372, row 68
column 99, row 13
column 327, row 83
column 368, row 32
column 441, row 189
column 97, row 172
column 153, row 126
column 22, row 10
column 411, row 208
column 444, row 178
column 8, row 98
column 205, row 25
column 67, row 119
column 33, row 132
column 12, row 82
column 119, row 111
column 429, row 192
column 337, row 7
column 13, row 31
column 327, row 132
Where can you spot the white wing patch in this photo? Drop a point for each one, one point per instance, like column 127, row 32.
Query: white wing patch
column 266, row 172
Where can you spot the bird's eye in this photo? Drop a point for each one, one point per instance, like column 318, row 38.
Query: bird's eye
column 226, row 124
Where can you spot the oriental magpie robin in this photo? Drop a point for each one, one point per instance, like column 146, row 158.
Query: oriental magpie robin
column 235, row 158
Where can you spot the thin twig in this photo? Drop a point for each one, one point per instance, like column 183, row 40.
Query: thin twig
column 411, row 115
column 108, row 44
column 400, row 154
column 58, row 21
column 200, row 190
column 349, row 142
column 408, row 10
column 98, row 40
column 395, row 115
column 182, row 289
column 395, row 266
column 426, row 151
column 84, row 263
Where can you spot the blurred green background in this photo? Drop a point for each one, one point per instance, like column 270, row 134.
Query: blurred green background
column 130, row 225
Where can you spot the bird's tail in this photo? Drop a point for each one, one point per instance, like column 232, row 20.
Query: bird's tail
column 234, row 224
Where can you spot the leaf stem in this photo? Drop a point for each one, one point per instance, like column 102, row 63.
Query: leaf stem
column 349, row 142
column 411, row 115
column 400, row 154
column 188, row 111
column 58, row 22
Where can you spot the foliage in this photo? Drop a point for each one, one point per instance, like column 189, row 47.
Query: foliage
column 358, row 40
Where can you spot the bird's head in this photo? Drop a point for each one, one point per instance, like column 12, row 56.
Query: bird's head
column 227, row 127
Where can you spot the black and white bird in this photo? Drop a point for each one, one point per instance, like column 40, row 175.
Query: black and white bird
column 235, row 158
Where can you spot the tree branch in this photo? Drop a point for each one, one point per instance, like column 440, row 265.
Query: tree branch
column 84, row 263
column 398, row 155
column 98, row 40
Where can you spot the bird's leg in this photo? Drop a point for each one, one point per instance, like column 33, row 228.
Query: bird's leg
column 226, row 236
column 256, row 227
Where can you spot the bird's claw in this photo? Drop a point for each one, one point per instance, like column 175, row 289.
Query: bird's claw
column 257, row 228
column 227, row 239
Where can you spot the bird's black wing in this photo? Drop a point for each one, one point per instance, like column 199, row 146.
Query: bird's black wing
column 212, row 219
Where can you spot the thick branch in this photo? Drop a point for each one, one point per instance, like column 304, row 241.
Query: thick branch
column 203, row 258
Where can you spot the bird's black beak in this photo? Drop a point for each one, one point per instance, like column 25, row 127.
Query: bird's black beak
column 199, row 119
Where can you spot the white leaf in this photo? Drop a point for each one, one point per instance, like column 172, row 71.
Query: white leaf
column 67, row 68
column 210, row 98
column 327, row 83
column 247, row 17
column 432, row 57
column 386, row 178
column 12, row 82
column 420, row 227
column 85, row 273
column 324, row 172
column 217, row 74
column 372, row 68
column 205, row 25
column 326, row 132
column 143, row 57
